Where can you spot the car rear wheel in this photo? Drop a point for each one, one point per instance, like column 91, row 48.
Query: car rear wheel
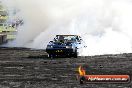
column 75, row 54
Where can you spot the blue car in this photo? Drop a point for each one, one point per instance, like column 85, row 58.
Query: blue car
column 66, row 45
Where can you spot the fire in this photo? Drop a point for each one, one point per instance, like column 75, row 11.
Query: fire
column 81, row 71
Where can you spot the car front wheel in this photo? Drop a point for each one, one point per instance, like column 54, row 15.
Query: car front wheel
column 51, row 56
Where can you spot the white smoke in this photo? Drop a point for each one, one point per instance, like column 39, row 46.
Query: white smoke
column 105, row 25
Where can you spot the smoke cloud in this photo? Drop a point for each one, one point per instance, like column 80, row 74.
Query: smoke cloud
column 104, row 25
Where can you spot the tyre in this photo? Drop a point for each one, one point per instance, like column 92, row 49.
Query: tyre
column 75, row 54
column 51, row 56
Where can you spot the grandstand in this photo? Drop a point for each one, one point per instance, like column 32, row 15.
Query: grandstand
column 7, row 32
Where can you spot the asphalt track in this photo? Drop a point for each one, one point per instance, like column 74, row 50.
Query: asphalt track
column 28, row 68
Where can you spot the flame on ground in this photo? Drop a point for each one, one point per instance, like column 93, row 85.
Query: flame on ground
column 82, row 72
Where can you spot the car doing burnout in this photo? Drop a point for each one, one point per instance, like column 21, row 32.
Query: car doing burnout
column 67, row 45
